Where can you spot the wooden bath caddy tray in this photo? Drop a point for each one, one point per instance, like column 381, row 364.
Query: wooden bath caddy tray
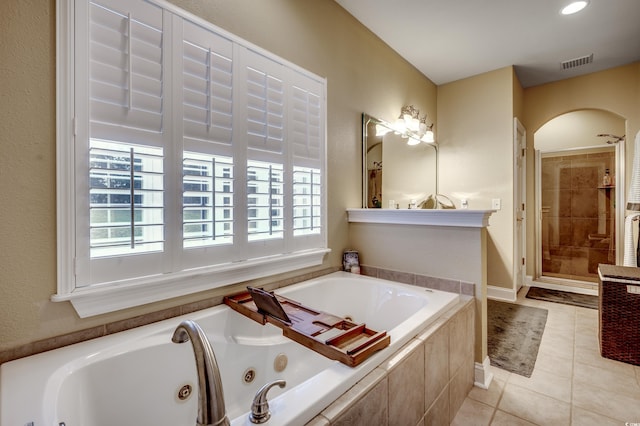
column 327, row 334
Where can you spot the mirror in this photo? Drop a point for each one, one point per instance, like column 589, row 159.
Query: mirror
column 395, row 173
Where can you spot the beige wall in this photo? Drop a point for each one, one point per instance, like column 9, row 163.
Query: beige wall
column 616, row 90
column 578, row 129
column 363, row 75
column 475, row 134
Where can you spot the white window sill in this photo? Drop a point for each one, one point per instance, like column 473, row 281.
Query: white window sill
column 436, row 217
column 110, row 297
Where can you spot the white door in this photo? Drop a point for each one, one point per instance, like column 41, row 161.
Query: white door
column 520, row 193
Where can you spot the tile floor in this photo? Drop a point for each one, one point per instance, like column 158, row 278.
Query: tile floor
column 571, row 383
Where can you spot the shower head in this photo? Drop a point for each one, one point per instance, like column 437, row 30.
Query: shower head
column 615, row 138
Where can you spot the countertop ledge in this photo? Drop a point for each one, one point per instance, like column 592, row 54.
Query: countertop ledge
column 439, row 217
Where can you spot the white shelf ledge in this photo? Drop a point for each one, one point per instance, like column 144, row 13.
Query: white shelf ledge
column 445, row 217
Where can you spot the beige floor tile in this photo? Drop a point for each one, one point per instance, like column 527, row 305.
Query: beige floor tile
column 581, row 417
column 587, row 339
column 591, row 356
column 571, row 383
column 534, row 407
column 505, row 419
column 586, row 314
column 561, row 319
column 500, row 374
column 489, row 396
column 608, row 379
column 556, row 344
column 531, row 302
column 559, row 335
column 473, row 413
column 545, row 383
column 617, row 405
column 587, row 319
column 559, row 366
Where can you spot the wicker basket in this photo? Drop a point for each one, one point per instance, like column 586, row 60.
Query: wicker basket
column 619, row 313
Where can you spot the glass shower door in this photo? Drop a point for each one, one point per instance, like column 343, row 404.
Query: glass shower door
column 577, row 213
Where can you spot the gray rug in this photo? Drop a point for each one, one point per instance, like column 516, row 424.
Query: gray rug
column 514, row 333
column 564, row 297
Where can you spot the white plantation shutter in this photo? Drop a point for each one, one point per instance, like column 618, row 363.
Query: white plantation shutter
column 207, row 88
column 306, row 130
column 265, row 106
column 264, row 85
column 306, row 125
column 126, row 71
column 190, row 159
column 121, row 115
column 204, row 87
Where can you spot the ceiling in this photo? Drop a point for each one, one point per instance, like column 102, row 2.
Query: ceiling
column 452, row 39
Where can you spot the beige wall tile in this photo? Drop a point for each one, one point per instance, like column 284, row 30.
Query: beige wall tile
column 460, row 386
column 438, row 413
column 357, row 393
column 406, row 389
column 436, row 358
column 461, row 338
column 369, row 410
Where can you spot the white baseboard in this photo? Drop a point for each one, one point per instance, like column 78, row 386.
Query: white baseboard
column 483, row 374
column 501, row 293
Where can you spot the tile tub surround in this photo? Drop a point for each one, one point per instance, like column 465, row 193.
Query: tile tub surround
column 424, row 383
column 453, row 286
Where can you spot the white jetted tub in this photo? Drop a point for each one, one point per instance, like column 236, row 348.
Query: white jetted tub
column 134, row 377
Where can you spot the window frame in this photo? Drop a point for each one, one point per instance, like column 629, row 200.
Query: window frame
column 123, row 293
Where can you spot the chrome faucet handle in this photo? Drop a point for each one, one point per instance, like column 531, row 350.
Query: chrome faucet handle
column 260, row 406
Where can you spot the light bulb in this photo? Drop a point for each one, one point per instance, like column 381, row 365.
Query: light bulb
column 574, row 7
column 428, row 137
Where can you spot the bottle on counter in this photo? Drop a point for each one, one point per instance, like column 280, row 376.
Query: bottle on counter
column 606, row 179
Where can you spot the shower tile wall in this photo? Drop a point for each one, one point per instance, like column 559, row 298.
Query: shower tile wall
column 578, row 215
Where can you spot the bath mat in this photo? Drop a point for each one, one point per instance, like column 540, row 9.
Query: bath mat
column 513, row 336
column 564, row 297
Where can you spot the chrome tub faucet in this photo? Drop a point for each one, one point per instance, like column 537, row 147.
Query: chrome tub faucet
column 211, row 409
column 260, row 406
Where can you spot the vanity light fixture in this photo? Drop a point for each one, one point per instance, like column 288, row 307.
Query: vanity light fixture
column 410, row 125
column 574, row 7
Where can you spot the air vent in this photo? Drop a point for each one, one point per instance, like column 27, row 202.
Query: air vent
column 577, row 62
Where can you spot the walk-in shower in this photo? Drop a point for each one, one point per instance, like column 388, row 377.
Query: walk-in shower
column 578, row 220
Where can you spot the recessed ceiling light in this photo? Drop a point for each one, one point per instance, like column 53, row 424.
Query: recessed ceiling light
column 574, row 7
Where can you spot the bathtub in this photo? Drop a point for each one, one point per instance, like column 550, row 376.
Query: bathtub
column 135, row 377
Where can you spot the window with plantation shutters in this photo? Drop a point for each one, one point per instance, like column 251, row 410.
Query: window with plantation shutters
column 205, row 87
column 189, row 158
